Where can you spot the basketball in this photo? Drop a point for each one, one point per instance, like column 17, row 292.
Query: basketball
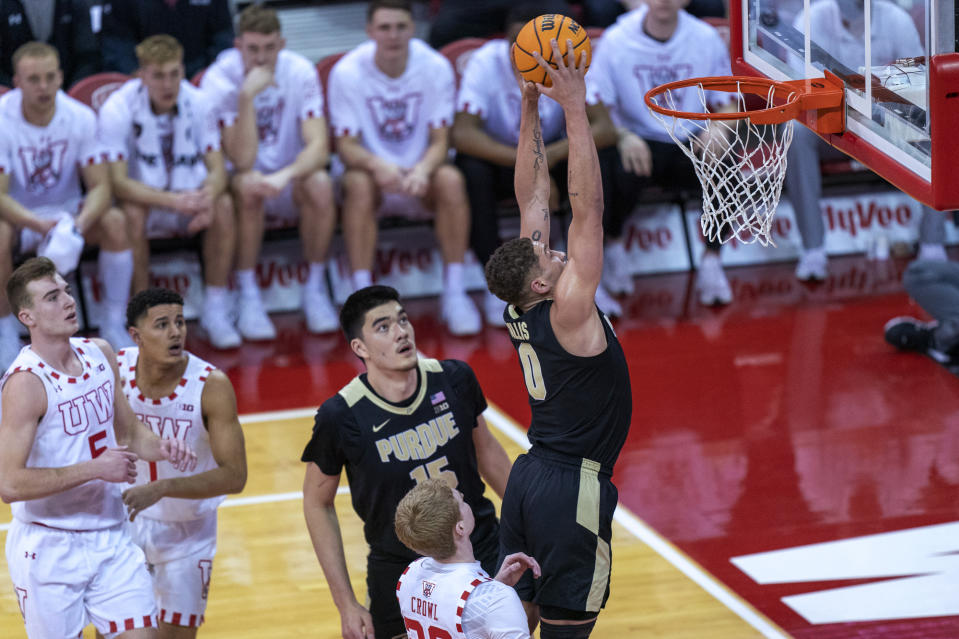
column 535, row 36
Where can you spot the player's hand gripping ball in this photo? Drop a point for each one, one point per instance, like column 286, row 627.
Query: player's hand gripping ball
column 535, row 36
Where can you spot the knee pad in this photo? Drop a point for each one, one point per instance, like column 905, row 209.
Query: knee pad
column 549, row 630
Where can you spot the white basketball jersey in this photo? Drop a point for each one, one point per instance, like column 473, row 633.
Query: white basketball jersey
column 392, row 116
column 43, row 162
column 178, row 415
column 76, row 427
column 629, row 63
column 433, row 594
column 293, row 97
column 130, row 131
column 490, row 90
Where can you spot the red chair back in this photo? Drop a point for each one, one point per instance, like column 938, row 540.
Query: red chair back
column 197, row 77
column 95, row 89
column 459, row 52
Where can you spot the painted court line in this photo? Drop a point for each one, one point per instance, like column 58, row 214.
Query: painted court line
column 509, row 427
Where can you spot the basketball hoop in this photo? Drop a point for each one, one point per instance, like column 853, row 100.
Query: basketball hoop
column 740, row 156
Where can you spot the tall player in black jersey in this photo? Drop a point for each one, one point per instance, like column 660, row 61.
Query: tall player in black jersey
column 560, row 499
column 407, row 419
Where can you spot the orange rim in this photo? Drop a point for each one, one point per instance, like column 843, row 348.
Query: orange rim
column 791, row 97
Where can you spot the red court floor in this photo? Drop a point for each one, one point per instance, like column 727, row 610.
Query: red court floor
column 779, row 442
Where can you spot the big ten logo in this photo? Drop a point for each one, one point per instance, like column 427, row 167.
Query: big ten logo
column 649, row 239
column 862, row 216
column 403, row 260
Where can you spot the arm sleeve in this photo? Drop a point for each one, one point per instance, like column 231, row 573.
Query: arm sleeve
column 324, row 447
column 91, row 151
column 493, row 611
column 220, row 96
column 309, row 92
column 114, row 123
column 474, row 87
column 345, row 102
column 120, row 37
column 465, row 385
column 206, row 121
column 443, row 99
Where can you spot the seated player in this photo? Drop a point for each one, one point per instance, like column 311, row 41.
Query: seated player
column 169, row 176
column 274, row 134
column 434, row 521
column 48, row 145
column 391, row 103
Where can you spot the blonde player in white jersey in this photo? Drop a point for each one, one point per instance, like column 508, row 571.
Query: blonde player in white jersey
column 391, row 105
column 656, row 43
column 446, row 594
column 275, row 135
column 173, row 513
column 67, row 440
column 49, row 143
column 169, row 175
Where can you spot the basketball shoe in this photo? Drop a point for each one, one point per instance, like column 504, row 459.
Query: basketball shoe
column 460, row 314
column 812, row 265
column 711, row 282
column 493, row 308
column 616, row 276
column 253, row 323
column 910, row 334
column 320, row 315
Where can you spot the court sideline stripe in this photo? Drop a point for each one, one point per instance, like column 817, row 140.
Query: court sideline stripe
column 639, row 529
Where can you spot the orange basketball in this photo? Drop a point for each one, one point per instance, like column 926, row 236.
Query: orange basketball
column 535, row 36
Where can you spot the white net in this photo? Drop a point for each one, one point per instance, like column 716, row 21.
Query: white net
column 740, row 164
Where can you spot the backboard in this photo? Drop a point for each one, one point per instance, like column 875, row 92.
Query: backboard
column 904, row 122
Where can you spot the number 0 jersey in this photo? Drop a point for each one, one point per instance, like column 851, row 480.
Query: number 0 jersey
column 387, row 448
column 581, row 406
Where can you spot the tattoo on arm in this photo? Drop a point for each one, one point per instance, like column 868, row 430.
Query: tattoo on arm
column 536, row 235
column 574, row 194
column 545, row 214
column 537, row 149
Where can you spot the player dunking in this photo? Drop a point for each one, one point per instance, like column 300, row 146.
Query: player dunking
column 560, row 499
column 173, row 513
column 67, row 439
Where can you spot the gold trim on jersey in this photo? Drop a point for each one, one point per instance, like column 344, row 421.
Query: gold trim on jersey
column 356, row 390
column 512, row 312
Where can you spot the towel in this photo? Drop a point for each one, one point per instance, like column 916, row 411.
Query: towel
column 63, row 245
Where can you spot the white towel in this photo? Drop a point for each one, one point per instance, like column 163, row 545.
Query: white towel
column 188, row 170
column 62, row 244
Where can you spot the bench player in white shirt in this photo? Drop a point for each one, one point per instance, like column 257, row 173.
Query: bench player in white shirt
column 275, row 135
column 68, row 438
column 169, row 175
column 656, row 43
column 391, row 105
column 446, row 593
column 485, row 134
column 173, row 513
column 48, row 144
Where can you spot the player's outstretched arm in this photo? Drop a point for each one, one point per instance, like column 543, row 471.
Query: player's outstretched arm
column 577, row 286
column 24, row 404
column 319, row 493
column 531, row 177
column 226, row 443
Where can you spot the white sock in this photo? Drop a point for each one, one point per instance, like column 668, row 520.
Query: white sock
column 454, row 278
column 246, row 282
column 115, row 269
column 362, row 279
column 215, row 298
column 316, row 280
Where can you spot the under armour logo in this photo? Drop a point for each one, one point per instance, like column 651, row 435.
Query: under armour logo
column 29, row 555
column 15, row 18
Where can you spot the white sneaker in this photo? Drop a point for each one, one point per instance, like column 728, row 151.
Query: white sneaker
column 711, row 282
column 606, row 303
column 253, row 323
column 320, row 315
column 616, row 276
column 932, row 252
column 219, row 329
column 493, row 308
column 10, row 346
column 460, row 314
column 812, row 265
column 116, row 333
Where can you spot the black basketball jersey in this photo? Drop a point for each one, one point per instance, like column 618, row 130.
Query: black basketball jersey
column 387, row 448
column 581, row 406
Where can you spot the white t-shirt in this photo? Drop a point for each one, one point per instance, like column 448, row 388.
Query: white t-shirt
column 129, row 130
column 77, row 425
column 281, row 108
column 489, row 90
column 894, row 34
column 392, row 116
column 630, row 63
column 461, row 599
column 44, row 162
column 178, row 415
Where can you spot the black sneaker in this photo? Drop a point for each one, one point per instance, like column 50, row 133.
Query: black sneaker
column 909, row 334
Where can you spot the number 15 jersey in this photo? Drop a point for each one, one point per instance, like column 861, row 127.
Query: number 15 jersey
column 388, row 448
